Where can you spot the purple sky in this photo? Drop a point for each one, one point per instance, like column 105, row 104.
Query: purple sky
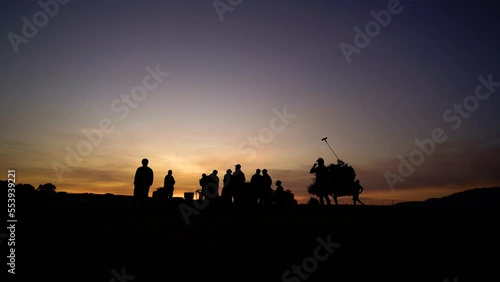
column 229, row 82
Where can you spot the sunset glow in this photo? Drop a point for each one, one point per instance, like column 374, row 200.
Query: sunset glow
column 103, row 85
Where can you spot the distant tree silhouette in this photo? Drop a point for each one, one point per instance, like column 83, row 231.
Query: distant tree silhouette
column 289, row 198
column 311, row 189
column 46, row 188
column 25, row 189
column 158, row 194
column 313, row 202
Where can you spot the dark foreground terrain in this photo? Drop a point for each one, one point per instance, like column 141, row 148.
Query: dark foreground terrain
column 99, row 238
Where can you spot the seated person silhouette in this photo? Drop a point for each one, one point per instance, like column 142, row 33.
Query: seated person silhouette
column 279, row 194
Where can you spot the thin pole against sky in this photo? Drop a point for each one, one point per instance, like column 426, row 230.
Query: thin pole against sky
column 324, row 139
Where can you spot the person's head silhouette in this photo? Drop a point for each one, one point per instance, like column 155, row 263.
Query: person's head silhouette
column 215, row 172
column 257, row 171
column 229, row 171
column 170, row 172
column 145, row 162
column 320, row 161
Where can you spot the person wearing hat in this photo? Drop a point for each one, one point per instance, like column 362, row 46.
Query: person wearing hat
column 237, row 181
column 321, row 183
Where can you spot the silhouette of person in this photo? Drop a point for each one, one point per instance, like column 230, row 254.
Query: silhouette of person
column 279, row 194
column 203, row 181
column 256, row 178
column 212, row 177
column 226, row 188
column 237, row 181
column 321, row 182
column 142, row 182
column 257, row 181
column 267, row 182
column 357, row 190
column 168, row 187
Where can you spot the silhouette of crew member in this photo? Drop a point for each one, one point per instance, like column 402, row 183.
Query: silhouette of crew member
column 212, row 177
column 142, row 181
column 256, row 178
column 257, row 182
column 357, row 189
column 226, row 188
column 279, row 194
column 237, row 181
column 267, row 183
column 168, row 187
column 203, row 181
column 321, row 182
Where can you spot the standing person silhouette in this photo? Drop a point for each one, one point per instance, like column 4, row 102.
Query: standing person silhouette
column 257, row 192
column 168, row 187
column 203, row 181
column 321, row 183
column 226, row 188
column 237, row 181
column 215, row 179
column 142, row 181
column 267, row 190
column 355, row 193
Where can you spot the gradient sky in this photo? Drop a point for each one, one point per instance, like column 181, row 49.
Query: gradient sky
column 228, row 78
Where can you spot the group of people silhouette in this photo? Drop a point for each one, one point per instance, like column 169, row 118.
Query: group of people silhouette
column 259, row 190
column 235, row 189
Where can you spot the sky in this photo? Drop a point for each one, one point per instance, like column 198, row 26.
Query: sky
column 405, row 91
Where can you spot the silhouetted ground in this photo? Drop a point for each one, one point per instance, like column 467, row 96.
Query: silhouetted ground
column 83, row 238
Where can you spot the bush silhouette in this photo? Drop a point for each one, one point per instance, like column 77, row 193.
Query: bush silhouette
column 46, row 188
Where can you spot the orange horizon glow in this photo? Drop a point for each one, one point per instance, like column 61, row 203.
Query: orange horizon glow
column 260, row 89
